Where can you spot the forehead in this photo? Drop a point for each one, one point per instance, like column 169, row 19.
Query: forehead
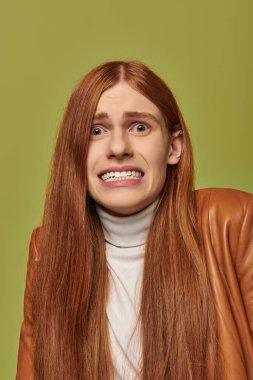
column 122, row 98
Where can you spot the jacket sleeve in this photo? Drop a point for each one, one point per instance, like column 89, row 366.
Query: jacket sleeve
column 25, row 352
column 244, row 262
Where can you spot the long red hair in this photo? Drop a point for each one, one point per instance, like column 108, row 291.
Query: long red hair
column 69, row 299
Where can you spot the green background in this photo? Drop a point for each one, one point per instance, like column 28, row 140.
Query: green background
column 202, row 49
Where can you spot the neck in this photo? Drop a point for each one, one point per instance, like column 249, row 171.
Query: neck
column 125, row 231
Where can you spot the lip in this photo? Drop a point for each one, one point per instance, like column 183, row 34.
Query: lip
column 120, row 169
column 122, row 183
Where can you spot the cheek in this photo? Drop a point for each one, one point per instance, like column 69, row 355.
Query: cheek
column 158, row 159
column 156, row 151
column 158, row 166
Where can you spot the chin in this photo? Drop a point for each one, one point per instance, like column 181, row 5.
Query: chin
column 125, row 209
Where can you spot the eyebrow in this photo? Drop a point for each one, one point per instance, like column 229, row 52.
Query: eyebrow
column 128, row 114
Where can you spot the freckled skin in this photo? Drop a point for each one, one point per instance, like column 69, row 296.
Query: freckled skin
column 120, row 142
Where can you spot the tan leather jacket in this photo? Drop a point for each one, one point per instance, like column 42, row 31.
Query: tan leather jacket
column 225, row 219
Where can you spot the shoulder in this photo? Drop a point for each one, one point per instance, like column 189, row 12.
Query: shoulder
column 223, row 203
column 225, row 219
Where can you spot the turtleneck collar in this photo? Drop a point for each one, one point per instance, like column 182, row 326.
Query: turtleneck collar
column 127, row 230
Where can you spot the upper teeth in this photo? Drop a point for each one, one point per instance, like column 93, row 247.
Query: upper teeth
column 121, row 175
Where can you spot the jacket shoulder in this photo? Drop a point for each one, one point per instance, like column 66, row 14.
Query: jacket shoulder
column 223, row 202
column 225, row 219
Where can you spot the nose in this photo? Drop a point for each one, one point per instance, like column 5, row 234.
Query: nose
column 119, row 145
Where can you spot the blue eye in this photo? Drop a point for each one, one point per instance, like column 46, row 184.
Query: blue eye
column 96, row 131
column 141, row 128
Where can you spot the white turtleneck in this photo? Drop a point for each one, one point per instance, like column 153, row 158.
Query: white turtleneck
column 125, row 278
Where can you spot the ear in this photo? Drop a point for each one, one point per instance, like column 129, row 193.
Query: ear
column 176, row 148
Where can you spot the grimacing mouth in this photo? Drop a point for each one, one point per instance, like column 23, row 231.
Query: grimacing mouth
column 128, row 172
